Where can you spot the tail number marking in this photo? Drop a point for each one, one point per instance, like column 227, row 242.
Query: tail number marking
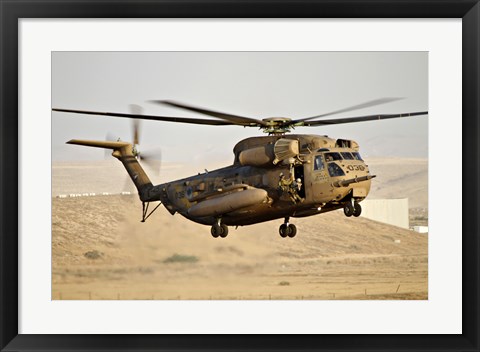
column 356, row 167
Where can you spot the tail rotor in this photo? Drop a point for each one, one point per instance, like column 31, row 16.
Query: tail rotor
column 151, row 159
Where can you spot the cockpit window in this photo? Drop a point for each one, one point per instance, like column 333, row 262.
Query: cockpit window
column 335, row 170
column 347, row 156
column 357, row 156
column 332, row 156
column 318, row 163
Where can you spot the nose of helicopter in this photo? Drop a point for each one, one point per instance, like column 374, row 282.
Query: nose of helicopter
column 350, row 176
column 357, row 178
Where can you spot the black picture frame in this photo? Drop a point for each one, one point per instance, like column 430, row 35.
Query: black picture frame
column 12, row 10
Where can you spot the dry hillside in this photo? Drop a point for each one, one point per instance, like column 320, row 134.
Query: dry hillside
column 400, row 178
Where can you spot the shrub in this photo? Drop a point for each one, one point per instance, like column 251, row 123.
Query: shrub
column 93, row 254
column 179, row 258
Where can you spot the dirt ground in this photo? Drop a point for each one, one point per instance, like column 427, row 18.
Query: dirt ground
column 101, row 250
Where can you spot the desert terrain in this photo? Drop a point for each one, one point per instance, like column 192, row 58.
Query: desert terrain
column 101, row 250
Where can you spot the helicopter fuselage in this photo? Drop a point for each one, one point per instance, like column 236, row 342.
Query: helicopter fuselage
column 324, row 175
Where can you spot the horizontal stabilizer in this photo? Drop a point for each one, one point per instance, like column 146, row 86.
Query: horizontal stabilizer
column 99, row 144
column 124, row 152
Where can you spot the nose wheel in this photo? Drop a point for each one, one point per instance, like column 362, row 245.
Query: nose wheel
column 357, row 209
column 354, row 209
column 348, row 210
column 287, row 230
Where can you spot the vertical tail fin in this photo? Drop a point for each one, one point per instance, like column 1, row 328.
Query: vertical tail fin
column 124, row 152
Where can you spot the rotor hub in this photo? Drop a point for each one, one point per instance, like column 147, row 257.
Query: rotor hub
column 277, row 120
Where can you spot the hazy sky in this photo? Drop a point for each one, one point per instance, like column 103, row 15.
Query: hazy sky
column 254, row 84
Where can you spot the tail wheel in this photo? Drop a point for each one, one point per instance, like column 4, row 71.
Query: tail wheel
column 291, row 230
column 348, row 210
column 357, row 210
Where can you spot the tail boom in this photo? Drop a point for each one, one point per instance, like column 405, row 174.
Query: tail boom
column 124, row 152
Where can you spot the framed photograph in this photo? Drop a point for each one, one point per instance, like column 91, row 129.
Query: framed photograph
column 221, row 180
column 314, row 226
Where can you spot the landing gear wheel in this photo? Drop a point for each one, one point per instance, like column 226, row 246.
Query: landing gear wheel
column 224, row 232
column 291, row 230
column 348, row 210
column 215, row 231
column 283, row 230
column 357, row 210
column 219, row 230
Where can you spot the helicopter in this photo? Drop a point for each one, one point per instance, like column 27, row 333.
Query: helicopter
column 280, row 175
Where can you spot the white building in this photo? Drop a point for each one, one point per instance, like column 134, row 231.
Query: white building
column 389, row 211
column 420, row 229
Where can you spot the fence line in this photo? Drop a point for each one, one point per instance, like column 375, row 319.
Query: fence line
column 90, row 295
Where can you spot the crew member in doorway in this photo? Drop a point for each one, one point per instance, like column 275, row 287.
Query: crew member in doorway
column 291, row 186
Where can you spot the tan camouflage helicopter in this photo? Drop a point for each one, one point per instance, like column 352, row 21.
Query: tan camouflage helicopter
column 272, row 177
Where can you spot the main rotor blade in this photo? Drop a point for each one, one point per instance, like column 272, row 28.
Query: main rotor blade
column 150, row 117
column 367, row 104
column 238, row 120
column 359, row 119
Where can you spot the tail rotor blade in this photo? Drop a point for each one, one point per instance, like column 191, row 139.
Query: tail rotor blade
column 153, row 159
column 111, row 138
column 150, row 158
column 136, row 110
column 136, row 128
